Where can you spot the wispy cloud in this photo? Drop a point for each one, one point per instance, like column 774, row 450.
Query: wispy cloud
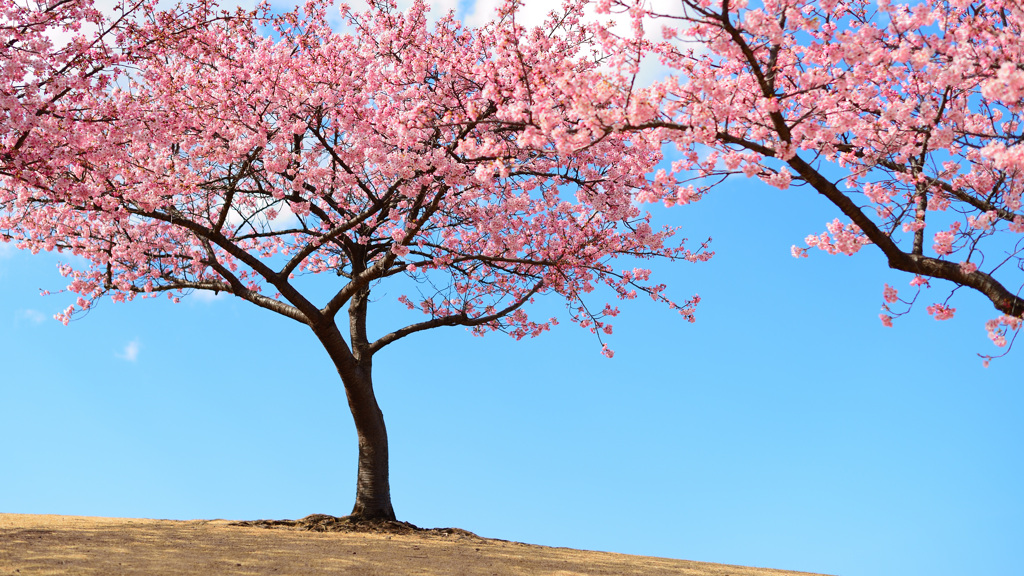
column 535, row 12
column 531, row 13
column 34, row 316
column 130, row 352
column 284, row 218
column 206, row 296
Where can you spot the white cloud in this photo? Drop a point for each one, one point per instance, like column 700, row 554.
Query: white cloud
column 206, row 296
column 130, row 352
column 283, row 220
column 438, row 8
column 111, row 10
column 534, row 12
column 34, row 316
column 531, row 13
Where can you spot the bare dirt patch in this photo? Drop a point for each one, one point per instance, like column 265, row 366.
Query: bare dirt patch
column 50, row 545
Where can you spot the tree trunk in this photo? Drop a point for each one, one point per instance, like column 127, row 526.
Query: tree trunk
column 373, row 489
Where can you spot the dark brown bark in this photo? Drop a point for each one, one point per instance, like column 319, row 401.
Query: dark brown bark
column 373, row 489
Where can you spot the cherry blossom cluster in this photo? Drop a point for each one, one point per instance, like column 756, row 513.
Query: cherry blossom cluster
column 187, row 149
column 906, row 116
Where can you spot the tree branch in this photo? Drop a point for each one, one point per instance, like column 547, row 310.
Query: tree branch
column 453, row 320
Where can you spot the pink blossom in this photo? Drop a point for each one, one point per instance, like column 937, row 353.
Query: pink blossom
column 247, row 163
column 902, row 117
column 997, row 328
column 890, row 295
column 944, row 242
column 941, row 312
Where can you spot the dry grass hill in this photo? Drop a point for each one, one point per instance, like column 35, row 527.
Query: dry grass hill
column 81, row 546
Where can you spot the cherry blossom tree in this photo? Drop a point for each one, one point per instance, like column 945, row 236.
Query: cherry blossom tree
column 251, row 153
column 905, row 116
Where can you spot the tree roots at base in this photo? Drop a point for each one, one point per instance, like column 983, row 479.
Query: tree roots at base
column 328, row 523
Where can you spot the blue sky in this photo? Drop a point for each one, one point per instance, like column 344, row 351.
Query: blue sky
column 786, row 428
